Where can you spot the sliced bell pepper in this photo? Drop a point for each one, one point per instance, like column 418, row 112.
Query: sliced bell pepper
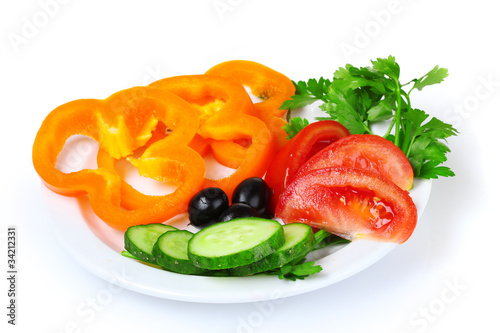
column 223, row 107
column 227, row 121
column 214, row 97
column 258, row 155
column 120, row 124
column 265, row 83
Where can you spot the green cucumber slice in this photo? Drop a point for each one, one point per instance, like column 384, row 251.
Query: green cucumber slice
column 235, row 243
column 299, row 240
column 140, row 239
column 171, row 252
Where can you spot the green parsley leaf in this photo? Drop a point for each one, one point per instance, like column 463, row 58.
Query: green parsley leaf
column 431, row 169
column 341, row 107
column 294, row 126
column 436, row 75
column 318, row 88
column 303, row 270
column 298, row 101
column 307, row 93
column 380, row 111
column 360, row 97
column 296, row 271
column 387, row 66
column 422, row 145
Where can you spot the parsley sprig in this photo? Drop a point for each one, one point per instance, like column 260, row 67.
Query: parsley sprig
column 361, row 97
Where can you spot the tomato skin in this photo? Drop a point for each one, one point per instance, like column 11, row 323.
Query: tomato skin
column 365, row 151
column 310, row 140
column 337, row 200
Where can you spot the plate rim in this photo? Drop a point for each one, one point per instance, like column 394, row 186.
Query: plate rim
column 97, row 257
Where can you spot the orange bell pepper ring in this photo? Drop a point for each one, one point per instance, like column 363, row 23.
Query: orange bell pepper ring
column 265, row 83
column 226, row 119
column 223, row 109
column 218, row 98
column 120, row 124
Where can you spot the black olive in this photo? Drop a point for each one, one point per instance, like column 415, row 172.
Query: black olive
column 255, row 192
column 238, row 210
column 206, row 206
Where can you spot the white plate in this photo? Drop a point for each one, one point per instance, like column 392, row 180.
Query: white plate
column 97, row 248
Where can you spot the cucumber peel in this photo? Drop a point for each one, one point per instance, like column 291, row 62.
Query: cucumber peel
column 171, row 252
column 240, row 247
column 299, row 240
column 140, row 239
column 235, row 243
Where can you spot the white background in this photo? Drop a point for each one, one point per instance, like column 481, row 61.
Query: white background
column 444, row 278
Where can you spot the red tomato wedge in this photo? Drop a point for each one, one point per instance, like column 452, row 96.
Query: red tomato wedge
column 351, row 203
column 310, row 140
column 365, row 151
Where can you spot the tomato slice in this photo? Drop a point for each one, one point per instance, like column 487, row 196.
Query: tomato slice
column 310, row 140
column 351, row 203
column 365, row 151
